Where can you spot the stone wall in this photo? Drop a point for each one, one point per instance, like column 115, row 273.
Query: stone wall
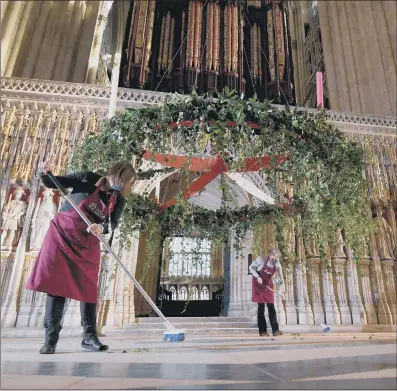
column 356, row 40
column 45, row 119
column 48, row 40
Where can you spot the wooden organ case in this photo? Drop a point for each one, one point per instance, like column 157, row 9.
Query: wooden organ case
column 207, row 45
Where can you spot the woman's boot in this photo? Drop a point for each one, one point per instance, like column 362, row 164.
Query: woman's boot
column 88, row 321
column 54, row 306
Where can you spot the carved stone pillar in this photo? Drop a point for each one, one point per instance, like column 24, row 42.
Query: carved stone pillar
column 7, row 261
column 39, row 310
column 302, row 294
column 381, row 302
column 116, row 291
column 241, row 282
column 302, row 298
column 389, row 277
column 72, row 316
column 366, row 291
column 385, row 239
column 355, row 303
column 281, row 313
column 127, row 287
column 339, row 270
column 391, row 213
column 97, row 42
column 291, row 313
column 27, row 298
column 115, row 84
column 315, row 290
column 332, row 314
column 146, row 273
column 9, row 311
column 106, row 296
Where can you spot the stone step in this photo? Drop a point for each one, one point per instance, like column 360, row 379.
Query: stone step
column 189, row 331
column 252, row 330
column 38, row 332
column 217, row 319
column 191, row 325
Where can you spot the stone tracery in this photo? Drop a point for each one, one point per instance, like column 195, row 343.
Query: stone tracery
column 50, row 133
column 58, row 114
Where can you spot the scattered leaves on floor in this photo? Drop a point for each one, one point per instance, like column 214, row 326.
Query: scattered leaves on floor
column 140, row 350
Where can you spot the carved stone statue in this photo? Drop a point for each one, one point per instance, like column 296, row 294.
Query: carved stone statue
column 385, row 240
column 44, row 213
column 289, row 235
column 311, row 247
column 13, row 218
column 339, row 251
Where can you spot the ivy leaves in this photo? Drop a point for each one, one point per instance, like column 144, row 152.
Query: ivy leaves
column 323, row 170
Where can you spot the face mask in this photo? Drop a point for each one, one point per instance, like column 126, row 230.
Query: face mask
column 116, row 187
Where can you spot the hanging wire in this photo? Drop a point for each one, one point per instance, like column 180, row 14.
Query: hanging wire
column 249, row 69
column 200, row 62
column 267, row 60
column 180, row 47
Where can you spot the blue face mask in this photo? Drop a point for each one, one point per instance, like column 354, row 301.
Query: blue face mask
column 116, row 187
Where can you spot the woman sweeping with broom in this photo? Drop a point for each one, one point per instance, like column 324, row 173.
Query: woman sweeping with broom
column 263, row 269
column 69, row 260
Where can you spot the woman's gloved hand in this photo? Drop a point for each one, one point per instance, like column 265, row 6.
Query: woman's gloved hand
column 95, row 229
column 278, row 281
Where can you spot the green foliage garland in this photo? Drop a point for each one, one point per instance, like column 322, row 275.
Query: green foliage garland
column 324, row 168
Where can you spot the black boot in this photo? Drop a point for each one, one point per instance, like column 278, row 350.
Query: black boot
column 88, row 321
column 48, row 348
column 94, row 344
column 54, row 306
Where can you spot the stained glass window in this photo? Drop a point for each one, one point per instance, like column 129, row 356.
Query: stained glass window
column 189, row 257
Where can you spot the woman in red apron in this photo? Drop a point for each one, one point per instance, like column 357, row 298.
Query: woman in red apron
column 69, row 259
column 263, row 269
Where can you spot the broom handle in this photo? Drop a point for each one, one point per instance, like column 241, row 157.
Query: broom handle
column 314, row 320
column 104, row 242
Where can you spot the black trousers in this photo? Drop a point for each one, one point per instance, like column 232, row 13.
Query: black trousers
column 54, row 306
column 272, row 317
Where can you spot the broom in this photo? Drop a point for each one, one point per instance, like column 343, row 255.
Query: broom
column 326, row 328
column 172, row 334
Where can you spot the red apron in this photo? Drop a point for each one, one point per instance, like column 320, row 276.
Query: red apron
column 69, row 259
column 260, row 292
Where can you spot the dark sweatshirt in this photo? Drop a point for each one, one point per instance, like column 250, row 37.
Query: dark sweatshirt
column 83, row 185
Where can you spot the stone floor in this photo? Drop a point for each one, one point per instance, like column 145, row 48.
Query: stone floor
column 332, row 361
